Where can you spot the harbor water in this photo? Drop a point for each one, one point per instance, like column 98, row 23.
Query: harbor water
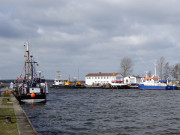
column 107, row 112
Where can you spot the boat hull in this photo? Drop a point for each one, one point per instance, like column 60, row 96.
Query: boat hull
column 29, row 99
column 120, row 87
column 68, row 86
column 171, row 88
column 147, row 87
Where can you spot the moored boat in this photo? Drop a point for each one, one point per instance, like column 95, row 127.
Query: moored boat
column 31, row 87
column 119, row 84
column 58, row 83
column 66, row 84
column 155, row 83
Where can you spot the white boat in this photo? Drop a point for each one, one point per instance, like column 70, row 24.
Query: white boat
column 119, row 84
column 155, row 83
column 60, row 83
column 66, row 84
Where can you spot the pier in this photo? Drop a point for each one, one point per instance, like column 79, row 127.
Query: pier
column 19, row 118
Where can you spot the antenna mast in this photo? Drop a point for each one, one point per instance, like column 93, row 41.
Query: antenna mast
column 27, row 60
column 155, row 70
column 147, row 74
column 58, row 74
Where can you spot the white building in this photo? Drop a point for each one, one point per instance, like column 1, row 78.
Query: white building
column 100, row 78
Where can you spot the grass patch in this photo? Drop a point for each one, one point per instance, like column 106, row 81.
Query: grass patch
column 8, row 129
column 7, row 95
column 6, row 101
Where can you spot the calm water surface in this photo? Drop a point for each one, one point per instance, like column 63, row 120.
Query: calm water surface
column 106, row 112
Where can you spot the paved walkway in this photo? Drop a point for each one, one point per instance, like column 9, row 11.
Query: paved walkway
column 24, row 125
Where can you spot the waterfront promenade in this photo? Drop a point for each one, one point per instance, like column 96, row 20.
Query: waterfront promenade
column 24, row 125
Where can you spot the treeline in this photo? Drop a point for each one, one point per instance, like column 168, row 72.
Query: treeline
column 167, row 71
column 8, row 81
column 163, row 68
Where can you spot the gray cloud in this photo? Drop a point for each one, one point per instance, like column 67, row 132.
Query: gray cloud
column 91, row 36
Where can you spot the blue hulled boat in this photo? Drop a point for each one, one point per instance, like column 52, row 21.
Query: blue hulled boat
column 155, row 83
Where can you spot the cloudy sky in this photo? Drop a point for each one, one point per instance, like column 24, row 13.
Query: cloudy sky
column 88, row 36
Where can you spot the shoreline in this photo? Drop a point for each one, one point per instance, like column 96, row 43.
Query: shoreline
column 24, row 125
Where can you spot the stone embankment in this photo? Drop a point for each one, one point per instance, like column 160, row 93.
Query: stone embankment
column 23, row 123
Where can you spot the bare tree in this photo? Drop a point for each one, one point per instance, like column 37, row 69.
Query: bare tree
column 160, row 65
column 126, row 67
column 167, row 71
column 175, row 71
column 149, row 74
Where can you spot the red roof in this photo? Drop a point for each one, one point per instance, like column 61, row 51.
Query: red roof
column 102, row 74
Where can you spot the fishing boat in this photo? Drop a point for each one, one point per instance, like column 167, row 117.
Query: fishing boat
column 31, row 87
column 155, row 83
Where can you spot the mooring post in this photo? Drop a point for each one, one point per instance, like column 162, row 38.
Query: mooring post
column 8, row 120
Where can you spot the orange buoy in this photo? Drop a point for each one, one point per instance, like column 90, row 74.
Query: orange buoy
column 33, row 95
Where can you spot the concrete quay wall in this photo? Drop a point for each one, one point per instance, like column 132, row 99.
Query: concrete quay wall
column 24, row 125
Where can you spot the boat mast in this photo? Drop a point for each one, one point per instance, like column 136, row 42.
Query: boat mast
column 78, row 74
column 27, row 60
column 58, row 74
column 32, row 73
column 146, row 74
column 155, row 70
column 39, row 74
